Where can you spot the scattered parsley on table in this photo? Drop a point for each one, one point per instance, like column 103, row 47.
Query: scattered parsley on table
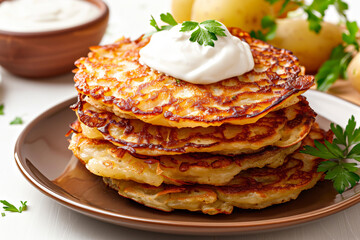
column 11, row 208
column 17, row 120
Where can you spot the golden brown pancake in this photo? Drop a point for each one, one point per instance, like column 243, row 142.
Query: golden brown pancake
column 112, row 79
column 105, row 159
column 255, row 188
column 281, row 128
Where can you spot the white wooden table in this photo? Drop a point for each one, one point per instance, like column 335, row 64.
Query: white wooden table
column 45, row 219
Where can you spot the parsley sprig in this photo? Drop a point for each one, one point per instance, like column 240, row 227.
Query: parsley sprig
column 17, row 121
column 339, row 60
column 204, row 33
column 346, row 145
column 316, row 11
column 11, row 208
column 166, row 18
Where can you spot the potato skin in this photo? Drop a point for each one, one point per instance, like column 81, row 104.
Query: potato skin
column 245, row 14
column 353, row 72
column 181, row 10
column 312, row 49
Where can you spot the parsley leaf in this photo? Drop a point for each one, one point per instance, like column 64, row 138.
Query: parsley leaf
column 349, row 130
column 8, row 206
column 3, row 214
column 166, row 18
column 342, row 173
column 23, row 206
column 314, row 20
column 341, row 7
column 355, row 153
column 188, row 26
column 320, row 6
column 350, row 38
column 17, row 120
column 11, row 208
column 154, row 24
column 205, row 32
column 339, row 133
column 1, row 109
column 316, row 13
column 339, row 60
column 334, row 68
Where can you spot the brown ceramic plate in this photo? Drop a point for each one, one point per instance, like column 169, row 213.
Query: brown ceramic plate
column 42, row 156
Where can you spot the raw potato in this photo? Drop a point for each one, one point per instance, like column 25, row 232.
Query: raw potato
column 353, row 72
column 245, row 14
column 312, row 49
column 181, row 10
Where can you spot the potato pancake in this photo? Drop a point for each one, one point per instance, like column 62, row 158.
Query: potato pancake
column 112, row 79
column 105, row 159
column 255, row 188
column 281, row 128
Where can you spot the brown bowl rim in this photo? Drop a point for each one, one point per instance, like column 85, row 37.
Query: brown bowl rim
column 103, row 14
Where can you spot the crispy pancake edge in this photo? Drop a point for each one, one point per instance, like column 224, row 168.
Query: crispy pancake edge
column 281, row 128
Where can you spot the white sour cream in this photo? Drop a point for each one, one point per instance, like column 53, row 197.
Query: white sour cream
column 45, row 15
column 172, row 53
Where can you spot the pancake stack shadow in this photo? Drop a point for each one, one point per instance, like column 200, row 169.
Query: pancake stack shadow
column 169, row 144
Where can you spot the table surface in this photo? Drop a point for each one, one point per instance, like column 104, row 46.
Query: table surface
column 46, row 219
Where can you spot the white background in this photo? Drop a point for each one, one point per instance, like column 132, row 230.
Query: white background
column 45, row 219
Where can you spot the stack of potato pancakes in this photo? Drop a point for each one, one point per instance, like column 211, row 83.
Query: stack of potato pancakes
column 170, row 144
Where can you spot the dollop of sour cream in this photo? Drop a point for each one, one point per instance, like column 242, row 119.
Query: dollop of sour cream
column 172, row 53
column 45, row 15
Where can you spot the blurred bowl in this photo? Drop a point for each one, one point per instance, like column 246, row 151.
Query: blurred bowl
column 50, row 53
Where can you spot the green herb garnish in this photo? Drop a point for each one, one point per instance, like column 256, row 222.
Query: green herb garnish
column 267, row 22
column 204, row 33
column 3, row 214
column 166, row 18
column 339, row 60
column 1, row 109
column 17, row 120
column 11, row 208
column 346, row 145
column 316, row 12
